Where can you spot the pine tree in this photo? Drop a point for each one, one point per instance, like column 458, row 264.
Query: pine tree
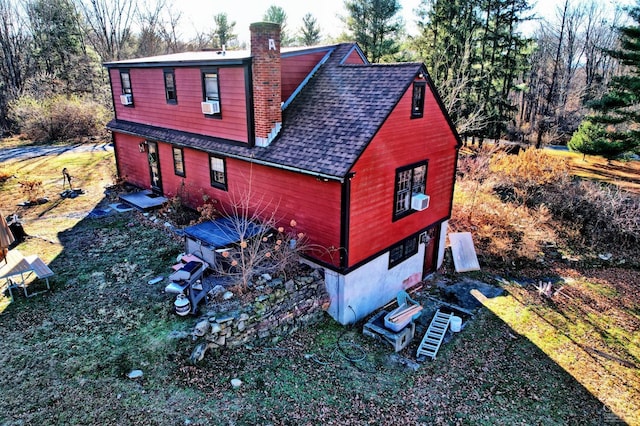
column 56, row 34
column 474, row 53
column 619, row 108
column 591, row 139
column 310, row 33
column 277, row 15
column 376, row 26
column 223, row 30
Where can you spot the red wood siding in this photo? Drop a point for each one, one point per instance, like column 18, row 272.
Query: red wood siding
column 295, row 69
column 401, row 141
column 150, row 105
column 133, row 164
column 354, row 58
column 313, row 204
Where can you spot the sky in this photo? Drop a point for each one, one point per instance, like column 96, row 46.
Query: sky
column 198, row 14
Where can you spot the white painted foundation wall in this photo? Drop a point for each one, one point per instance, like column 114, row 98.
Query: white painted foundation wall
column 359, row 293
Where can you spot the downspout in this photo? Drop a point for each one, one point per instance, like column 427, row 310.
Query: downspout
column 345, row 213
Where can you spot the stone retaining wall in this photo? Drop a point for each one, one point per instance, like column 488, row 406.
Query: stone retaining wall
column 281, row 308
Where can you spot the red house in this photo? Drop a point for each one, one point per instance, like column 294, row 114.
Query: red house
column 362, row 156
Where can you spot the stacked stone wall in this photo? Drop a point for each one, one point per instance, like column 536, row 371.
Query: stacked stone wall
column 280, row 308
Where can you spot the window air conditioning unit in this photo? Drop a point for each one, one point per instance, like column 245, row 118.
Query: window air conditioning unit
column 126, row 99
column 420, row 202
column 210, row 107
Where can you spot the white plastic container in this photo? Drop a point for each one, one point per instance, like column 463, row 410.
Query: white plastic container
column 455, row 324
column 396, row 326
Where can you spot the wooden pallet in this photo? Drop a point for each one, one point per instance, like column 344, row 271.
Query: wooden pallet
column 435, row 333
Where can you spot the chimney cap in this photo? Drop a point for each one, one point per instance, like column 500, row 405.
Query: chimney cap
column 264, row 26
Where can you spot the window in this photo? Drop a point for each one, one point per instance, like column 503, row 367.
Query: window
column 211, row 94
column 409, row 180
column 170, row 87
column 403, row 250
column 178, row 161
column 417, row 100
column 125, row 79
column 127, row 93
column 218, row 172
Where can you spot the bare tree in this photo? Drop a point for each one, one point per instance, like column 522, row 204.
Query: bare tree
column 266, row 244
column 600, row 37
column 15, row 59
column 568, row 67
column 150, row 40
column 170, row 33
column 109, row 25
column 202, row 40
column 158, row 22
column 454, row 88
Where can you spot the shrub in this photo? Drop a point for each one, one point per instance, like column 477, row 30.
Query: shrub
column 501, row 230
column 527, row 200
column 176, row 209
column 603, row 215
column 5, row 175
column 57, row 118
column 524, row 177
column 271, row 251
column 177, row 212
column 207, row 209
column 530, row 168
column 32, row 189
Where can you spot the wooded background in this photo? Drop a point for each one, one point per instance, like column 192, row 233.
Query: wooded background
column 495, row 81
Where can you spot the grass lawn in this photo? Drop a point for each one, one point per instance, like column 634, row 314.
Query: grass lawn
column 624, row 174
column 64, row 355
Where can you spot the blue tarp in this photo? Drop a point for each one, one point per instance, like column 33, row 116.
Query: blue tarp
column 222, row 232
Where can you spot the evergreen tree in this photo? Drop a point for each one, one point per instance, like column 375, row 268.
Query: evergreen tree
column 447, row 45
column 223, row 30
column 56, row 34
column 277, row 15
column 619, row 108
column 591, row 139
column 501, row 59
column 310, row 32
column 474, row 54
column 63, row 62
column 375, row 26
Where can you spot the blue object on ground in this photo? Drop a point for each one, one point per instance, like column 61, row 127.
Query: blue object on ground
column 221, row 232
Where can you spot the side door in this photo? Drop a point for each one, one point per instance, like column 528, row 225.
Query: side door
column 431, row 251
column 154, row 167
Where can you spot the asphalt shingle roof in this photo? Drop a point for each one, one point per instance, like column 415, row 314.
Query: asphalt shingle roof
column 327, row 125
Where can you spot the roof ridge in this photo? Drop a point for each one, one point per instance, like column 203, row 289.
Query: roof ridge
column 388, row 64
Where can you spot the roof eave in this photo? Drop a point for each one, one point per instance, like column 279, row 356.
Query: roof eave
column 178, row 63
column 112, row 126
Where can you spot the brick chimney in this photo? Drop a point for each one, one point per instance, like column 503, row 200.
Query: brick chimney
column 267, row 81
